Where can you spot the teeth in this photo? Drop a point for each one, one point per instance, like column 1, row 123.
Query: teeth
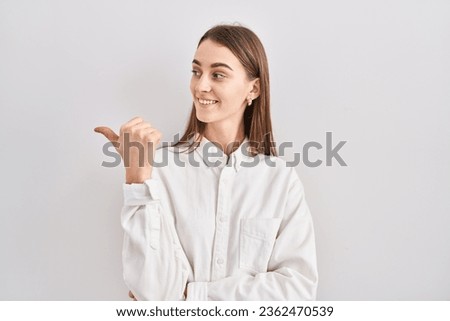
column 207, row 102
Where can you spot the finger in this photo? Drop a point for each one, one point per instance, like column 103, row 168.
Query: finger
column 141, row 126
column 134, row 121
column 127, row 127
column 152, row 134
column 131, row 295
column 107, row 132
column 155, row 138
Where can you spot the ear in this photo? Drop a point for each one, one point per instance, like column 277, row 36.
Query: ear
column 255, row 88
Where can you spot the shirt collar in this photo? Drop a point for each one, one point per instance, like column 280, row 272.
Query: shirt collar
column 213, row 156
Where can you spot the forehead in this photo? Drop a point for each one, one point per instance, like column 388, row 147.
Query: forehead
column 210, row 52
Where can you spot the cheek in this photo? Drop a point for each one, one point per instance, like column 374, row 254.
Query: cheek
column 192, row 86
column 241, row 91
column 239, row 96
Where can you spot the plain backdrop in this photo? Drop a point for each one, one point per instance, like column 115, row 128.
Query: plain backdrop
column 374, row 73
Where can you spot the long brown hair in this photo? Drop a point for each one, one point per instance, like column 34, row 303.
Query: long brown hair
column 248, row 49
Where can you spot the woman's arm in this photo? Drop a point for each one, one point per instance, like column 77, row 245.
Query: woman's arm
column 155, row 266
column 292, row 269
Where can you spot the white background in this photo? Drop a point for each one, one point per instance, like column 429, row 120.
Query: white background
column 375, row 73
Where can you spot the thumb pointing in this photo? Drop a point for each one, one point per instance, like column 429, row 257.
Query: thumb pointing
column 108, row 133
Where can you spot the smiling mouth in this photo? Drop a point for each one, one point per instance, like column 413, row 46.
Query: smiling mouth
column 206, row 102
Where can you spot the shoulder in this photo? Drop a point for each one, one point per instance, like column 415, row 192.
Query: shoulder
column 276, row 163
column 273, row 167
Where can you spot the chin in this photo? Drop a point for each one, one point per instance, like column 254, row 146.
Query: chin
column 204, row 118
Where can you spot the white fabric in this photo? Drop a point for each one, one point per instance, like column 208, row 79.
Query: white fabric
column 227, row 232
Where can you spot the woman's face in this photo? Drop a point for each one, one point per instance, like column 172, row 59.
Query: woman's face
column 219, row 85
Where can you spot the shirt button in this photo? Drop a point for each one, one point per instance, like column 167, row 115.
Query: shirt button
column 219, row 261
column 223, row 219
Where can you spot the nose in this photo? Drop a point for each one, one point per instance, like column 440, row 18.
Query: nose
column 203, row 84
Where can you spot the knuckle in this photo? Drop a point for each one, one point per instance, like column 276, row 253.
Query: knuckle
column 133, row 131
column 149, row 138
column 156, row 136
column 141, row 135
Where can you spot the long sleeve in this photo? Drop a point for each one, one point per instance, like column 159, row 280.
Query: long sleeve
column 155, row 266
column 292, row 268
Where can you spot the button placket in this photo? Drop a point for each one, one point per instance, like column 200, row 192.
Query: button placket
column 222, row 231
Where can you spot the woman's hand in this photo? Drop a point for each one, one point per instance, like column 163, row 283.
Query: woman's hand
column 131, row 295
column 143, row 138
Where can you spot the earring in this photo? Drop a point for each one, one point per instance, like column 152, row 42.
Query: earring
column 249, row 101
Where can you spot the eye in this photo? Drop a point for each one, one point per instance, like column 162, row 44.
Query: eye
column 217, row 75
column 195, row 72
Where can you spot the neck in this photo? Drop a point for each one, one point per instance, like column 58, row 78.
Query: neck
column 228, row 136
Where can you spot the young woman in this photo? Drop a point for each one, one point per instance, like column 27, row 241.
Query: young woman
column 216, row 221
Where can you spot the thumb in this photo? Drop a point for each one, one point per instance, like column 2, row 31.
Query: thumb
column 108, row 133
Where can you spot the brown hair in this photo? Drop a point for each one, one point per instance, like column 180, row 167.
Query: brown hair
column 248, row 49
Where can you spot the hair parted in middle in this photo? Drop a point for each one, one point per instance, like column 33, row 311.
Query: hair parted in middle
column 248, row 49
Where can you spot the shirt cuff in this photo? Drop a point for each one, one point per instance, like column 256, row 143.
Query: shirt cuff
column 197, row 291
column 141, row 194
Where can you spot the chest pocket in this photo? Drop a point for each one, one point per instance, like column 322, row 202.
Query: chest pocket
column 257, row 237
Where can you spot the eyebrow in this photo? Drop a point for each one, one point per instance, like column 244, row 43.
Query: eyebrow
column 214, row 65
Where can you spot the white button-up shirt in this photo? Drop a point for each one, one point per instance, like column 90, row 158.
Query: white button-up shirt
column 230, row 228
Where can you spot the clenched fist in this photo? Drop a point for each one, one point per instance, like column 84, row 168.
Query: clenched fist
column 136, row 144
